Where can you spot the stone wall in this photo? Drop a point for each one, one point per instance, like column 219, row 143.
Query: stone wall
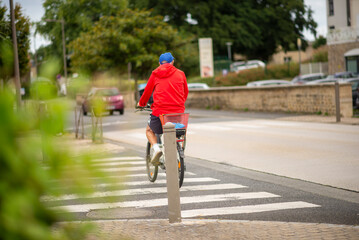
column 300, row 99
column 336, row 59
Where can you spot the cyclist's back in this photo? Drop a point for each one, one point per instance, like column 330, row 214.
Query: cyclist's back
column 169, row 87
column 170, row 90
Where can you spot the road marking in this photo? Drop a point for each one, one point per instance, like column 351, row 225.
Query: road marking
column 211, row 127
column 141, row 183
column 239, row 126
column 246, row 209
column 141, row 191
column 140, row 135
column 116, row 159
column 124, row 169
column 160, row 181
column 118, row 163
column 103, row 124
column 164, row 201
column 122, row 176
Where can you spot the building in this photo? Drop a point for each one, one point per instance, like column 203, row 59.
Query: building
column 282, row 57
column 343, row 35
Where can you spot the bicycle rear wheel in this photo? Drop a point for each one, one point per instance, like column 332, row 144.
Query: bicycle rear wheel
column 152, row 171
column 181, row 166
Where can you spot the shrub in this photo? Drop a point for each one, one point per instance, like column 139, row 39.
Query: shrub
column 35, row 163
column 283, row 71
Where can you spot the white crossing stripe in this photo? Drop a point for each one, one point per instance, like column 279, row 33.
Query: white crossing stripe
column 160, row 181
column 118, row 163
column 124, row 169
column 117, row 159
column 246, row 209
column 140, row 191
column 164, row 201
column 135, row 175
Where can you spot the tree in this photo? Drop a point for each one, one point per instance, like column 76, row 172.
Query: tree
column 23, row 42
column 256, row 28
column 129, row 37
column 320, row 41
column 79, row 16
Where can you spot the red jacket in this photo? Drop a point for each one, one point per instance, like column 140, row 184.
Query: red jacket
column 170, row 90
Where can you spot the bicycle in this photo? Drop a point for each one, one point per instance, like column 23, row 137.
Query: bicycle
column 181, row 121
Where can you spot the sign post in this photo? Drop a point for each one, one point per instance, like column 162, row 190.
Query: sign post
column 206, row 57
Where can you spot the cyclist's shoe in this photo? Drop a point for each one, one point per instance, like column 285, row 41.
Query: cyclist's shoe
column 157, row 153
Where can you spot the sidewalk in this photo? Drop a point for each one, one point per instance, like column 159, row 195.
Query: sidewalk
column 218, row 229
column 205, row 228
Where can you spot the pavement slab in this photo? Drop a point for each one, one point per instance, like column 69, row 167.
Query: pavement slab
column 217, row 229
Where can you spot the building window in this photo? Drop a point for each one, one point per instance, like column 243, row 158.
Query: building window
column 348, row 14
column 331, row 7
column 287, row 59
column 352, row 64
column 331, row 27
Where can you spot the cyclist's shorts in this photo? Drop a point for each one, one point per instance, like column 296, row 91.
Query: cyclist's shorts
column 155, row 124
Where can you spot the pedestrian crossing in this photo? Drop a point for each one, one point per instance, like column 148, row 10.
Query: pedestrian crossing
column 140, row 193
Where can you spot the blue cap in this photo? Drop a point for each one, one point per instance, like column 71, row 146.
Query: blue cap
column 166, row 57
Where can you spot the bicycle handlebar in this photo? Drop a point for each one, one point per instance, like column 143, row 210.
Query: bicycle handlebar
column 145, row 108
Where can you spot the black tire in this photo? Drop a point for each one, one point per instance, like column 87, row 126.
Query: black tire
column 152, row 171
column 121, row 111
column 84, row 110
column 181, row 167
column 111, row 112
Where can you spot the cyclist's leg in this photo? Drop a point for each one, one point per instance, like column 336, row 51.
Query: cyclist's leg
column 154, row 127
column 151, row 135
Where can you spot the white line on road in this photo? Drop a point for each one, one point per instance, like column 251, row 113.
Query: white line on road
column 117, row 159
column 164, row 201
column 118, row 163
column 124, row 169
column 246, row 209
column 140, row 191
column 126, row 176
column 141, row 183
column 103, row 124
column 160, row 181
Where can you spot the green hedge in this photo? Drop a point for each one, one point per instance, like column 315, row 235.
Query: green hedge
column 283, row 71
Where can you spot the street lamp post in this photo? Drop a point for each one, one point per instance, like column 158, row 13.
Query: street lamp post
column 229, row 44
column 299, row 43
column 16, row 56
column 63, row 42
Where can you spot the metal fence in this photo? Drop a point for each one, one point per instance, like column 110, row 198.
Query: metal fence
column 319, row 67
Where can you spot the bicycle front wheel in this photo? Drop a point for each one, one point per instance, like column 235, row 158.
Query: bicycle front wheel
column 180, row 162
column 152, row 171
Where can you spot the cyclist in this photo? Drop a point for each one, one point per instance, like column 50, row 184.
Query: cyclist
column 169, row 87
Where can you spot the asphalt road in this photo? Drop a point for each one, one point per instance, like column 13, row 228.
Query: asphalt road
column 232, row 192
column 316, row 152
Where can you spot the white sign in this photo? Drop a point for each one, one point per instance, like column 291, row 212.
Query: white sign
column 206, row 57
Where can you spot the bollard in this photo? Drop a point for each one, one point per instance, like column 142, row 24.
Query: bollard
column 79, row 121
column 173, row 195
column 337, row 101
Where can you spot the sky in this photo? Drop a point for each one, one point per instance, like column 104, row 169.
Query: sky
column 34, row 10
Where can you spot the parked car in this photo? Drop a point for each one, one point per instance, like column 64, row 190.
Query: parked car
column 111, row 97
column 267, row 83
column 141, row 89
column 355, row 90
column 302, row 79
column 325, row 80
column 342, row 75
column 198, row 86
column 239, row 66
